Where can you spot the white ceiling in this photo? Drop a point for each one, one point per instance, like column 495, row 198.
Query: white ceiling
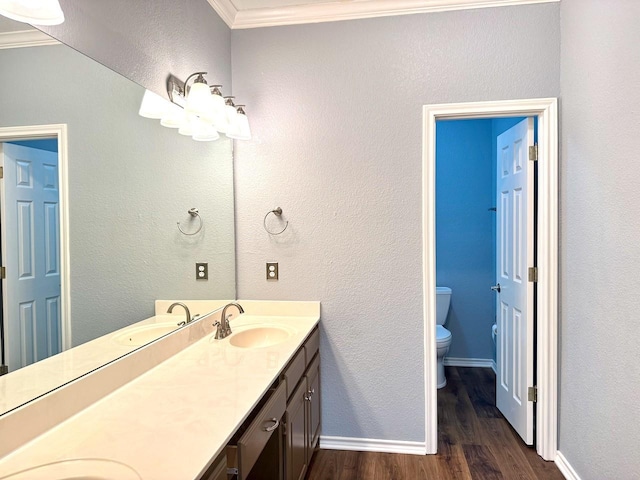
column 268, row 13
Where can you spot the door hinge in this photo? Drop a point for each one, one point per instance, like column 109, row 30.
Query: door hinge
column 1, row 172
column 3, row 273
column 533, row 274
column 533, row 152
column 532, row 394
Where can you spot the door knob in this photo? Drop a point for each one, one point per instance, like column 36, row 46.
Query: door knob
column 496, row 288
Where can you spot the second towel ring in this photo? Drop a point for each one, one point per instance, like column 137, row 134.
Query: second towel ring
column 277, row 212
column 194, row 213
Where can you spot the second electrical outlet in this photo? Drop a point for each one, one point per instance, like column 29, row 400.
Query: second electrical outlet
column 272, row 270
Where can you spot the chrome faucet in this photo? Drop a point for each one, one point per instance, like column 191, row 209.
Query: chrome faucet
column 224, row 330
column 186, row 309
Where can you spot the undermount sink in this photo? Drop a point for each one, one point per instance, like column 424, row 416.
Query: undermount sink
column 78, row 469
column 139, row 336
column 259, row 337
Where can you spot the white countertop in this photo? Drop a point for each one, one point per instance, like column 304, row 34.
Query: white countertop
column 170, row 422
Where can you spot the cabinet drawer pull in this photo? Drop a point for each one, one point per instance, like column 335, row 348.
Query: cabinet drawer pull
column 276, row 424
column 309, row 394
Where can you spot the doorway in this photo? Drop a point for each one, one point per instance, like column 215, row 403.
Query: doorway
column 484, row 191
column 35, row 321
column 545, row 111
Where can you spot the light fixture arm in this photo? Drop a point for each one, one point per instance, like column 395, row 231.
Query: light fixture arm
column 184, row 86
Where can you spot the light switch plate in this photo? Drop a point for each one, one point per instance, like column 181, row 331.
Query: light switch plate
column 272, row 270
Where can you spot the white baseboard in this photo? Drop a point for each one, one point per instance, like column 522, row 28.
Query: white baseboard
column 494, row 367
column 565, row 467
column 468, row 362
column 372, row 445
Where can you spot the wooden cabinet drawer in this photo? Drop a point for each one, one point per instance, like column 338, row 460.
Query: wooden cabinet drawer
column 312, row 345
column 293, row 373
column 250, row 445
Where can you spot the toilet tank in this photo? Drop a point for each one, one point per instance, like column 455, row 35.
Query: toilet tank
column 443, row 299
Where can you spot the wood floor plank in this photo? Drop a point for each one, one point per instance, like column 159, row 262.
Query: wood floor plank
column 457, row 420
column 481, row 390
column 423, row 466
column 452, row 464
column 474, row 443
column 349, row 466
column 504, row 446
column 482, row 463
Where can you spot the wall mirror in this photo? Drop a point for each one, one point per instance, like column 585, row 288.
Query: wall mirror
column 129, row 181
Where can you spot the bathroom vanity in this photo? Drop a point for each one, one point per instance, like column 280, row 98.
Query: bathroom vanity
column 246, row 405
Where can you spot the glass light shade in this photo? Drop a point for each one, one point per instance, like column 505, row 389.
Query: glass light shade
column 240, row 129
column 153, row 105
column 199, row 100
column 35, row 12
column 204, row 132
column 218, row 102
column 174, row 117
column 232, row 113
column 219, row 121
column 215, row 114
column 188, row 128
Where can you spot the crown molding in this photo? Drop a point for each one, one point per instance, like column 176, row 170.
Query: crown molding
column 25, row 38
column 226, row 10
column 336, row 11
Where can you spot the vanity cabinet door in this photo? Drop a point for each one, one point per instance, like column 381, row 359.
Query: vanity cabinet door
column 313, row 406
column 296, row 434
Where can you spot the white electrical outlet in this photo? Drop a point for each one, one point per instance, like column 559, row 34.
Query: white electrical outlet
column 202, row 271
column 272, row 270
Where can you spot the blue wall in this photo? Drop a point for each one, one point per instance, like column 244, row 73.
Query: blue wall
column 465, row 232
column 466, row 229
column 48, row 144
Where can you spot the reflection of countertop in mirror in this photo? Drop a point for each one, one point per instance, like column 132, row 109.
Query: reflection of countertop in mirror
column 39, row 378
column 172, row 421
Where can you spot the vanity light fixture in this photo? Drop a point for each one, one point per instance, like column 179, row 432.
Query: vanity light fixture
column 205, row 132
column 153, row 105
column 199, row 111
column 198, row 97
column 240, row 129
column 217, row 115
column 173, row 117
column 231, row 110
column 35, row 12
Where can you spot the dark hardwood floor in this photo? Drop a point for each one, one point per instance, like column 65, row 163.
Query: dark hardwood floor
column 474, row 442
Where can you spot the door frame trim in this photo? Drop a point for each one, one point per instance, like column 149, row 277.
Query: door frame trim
column 546, row 111
column 59, row 131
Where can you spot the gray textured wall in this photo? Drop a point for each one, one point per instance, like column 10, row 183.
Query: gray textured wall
column 337, row 120
column 146, row 40
column 600, row 257
column 130, row 181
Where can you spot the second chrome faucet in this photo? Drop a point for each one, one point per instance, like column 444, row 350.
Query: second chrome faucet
column 223, row 329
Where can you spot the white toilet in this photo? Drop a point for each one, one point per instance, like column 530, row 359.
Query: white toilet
column 443, row 336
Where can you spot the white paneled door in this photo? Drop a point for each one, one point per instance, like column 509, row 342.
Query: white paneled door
column 30, row 254
column 514, row 256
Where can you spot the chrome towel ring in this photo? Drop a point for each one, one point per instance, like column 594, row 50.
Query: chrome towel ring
column 278, row 213
column 194, row 213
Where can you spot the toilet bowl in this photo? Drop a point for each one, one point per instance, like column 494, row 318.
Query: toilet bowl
column 443, row 336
